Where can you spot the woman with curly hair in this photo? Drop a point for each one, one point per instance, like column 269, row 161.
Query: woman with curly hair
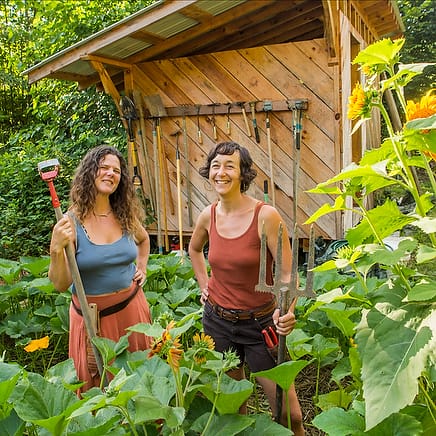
column 104, row 223
column 235, row 315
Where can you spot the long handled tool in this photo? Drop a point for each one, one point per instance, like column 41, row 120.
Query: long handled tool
column 297, row 108
column 129, row 114
column 199, row 134
column 244, row 115
column 284, row 292
column 137, row 98
column 267, row 107
column 158, row 189
column 48, row 171
column 157, row 110
column 179, row 194
column 188, row 171
column 254, row 121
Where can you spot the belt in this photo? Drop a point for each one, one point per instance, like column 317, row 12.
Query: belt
column 234, row 315
column 112, row 309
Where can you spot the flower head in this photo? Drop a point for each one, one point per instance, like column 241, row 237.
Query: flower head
column 37, row 344
column 359, row 103
column 167, row 348
column 202, row 343
column 423, row 109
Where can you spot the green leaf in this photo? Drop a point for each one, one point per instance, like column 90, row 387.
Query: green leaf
column 425, row 253
column 228, row 425
column 338, row 422
column 394, row 344
column 9, row 374
column 424, row 290
column 422, row 123
column 382, row 220
column 338, row 398
column 327, row 208
column 150, row 409
column 340, row 318
column 49, row 405
column 384, row 51
column 285, row 373
column 426, row 224
column 231, row 395
column 398, row 424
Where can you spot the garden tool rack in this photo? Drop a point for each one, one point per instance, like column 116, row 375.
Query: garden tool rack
column 229, row 108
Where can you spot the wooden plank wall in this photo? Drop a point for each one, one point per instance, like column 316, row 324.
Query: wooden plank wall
column 276, row 72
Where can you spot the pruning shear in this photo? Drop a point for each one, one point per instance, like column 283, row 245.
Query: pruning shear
column 270, row 337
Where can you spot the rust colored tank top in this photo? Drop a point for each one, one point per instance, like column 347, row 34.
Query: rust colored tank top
column 235, row 267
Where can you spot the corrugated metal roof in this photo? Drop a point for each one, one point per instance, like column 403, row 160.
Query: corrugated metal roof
column 178, row 28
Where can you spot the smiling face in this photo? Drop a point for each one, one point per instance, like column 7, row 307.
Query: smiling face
column 108, row 174
column 225, row 173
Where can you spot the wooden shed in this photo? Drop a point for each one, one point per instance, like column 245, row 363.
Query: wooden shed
column 205, row 71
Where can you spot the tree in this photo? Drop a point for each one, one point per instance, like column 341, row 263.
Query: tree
column 49, row 119
column 420, row 46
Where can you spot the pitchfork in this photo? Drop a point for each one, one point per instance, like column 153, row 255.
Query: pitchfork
column 285, row 293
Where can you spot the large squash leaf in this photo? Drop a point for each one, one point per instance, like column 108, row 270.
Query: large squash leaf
column 394, row 341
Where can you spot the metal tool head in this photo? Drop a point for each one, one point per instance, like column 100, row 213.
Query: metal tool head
column 128, row 108
column 267, row 106
column 155, row 105
column 48, row 169
column 300, row 105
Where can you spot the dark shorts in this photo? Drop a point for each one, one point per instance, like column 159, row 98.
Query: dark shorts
column 244, row 337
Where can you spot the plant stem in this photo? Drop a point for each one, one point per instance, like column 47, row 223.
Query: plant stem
column 431, row 405
column 212, row 412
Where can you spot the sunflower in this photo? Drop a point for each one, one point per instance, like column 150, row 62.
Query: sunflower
column 423, row 109
column 202, row 343
column 37, row 344
column 359, row 103
column 167, row 348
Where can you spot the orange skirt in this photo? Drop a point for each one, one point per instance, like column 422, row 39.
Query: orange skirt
column 112, row 327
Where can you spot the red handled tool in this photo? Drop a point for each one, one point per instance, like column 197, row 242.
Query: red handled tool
column 268, row 340
column 48, row 171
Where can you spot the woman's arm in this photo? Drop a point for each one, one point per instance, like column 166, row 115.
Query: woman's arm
column 59, row 271
column 143, row 243
column 199, row 238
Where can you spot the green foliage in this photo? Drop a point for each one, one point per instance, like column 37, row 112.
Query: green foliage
column 418, row 18
column 49, row 120
column 390, row 322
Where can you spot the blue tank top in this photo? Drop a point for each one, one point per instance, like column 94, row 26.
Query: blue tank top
column 104, row 268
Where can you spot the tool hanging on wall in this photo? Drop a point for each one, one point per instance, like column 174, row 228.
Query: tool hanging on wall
column 244, row 115
column 179, row 193
column 129, row 114
column 199, row 134
column 215, row 132
column 265, row 191
column 137, row 98
column 254, row 121
column 188, row 171
column 267, row 107
column 161, row 158
column 228, row 127
column 157, row 110
column 297, row 107
column 157, row 178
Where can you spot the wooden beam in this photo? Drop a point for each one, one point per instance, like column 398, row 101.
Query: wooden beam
column 108, row 61
column 109, row 87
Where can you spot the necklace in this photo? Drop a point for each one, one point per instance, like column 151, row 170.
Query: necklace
column 103, row 214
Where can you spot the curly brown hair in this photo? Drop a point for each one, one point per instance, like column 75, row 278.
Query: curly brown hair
column 123, row 201
column 248, row 173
